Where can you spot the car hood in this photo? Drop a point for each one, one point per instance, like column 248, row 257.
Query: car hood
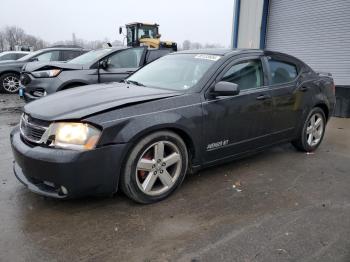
column 83, row 101
column 9, row 63
column 35, row 66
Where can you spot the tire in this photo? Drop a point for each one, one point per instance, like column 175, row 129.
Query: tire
column 147, row 177
column 9, row 83
column 311, row 128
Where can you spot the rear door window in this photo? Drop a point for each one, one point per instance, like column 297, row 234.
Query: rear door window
column 19, row 55
column 282, row 72
column 129, row 58
column 49, row 56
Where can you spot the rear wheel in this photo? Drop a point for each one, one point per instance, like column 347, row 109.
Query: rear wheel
column 155, row 167
column 313, row 131
column 9, row 83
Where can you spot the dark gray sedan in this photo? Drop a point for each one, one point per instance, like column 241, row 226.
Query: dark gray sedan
column 10, row 70
column 103, row 65
column 183, row 112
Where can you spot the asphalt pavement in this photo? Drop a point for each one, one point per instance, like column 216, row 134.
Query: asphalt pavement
column 279, row 205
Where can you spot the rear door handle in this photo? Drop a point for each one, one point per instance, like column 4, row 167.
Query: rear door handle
column 263, row 97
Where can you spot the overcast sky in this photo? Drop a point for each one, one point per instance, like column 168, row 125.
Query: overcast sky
column 204, row 21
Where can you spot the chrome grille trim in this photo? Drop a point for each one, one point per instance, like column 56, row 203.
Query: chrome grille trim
column 31, row 132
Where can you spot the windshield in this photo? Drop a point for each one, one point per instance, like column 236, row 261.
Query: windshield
column 89, row 57
column 176, row 72
column 147, row 32
column 142, row 32
column 30, row 55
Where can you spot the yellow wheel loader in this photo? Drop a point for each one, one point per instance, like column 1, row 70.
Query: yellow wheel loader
column 138, row 34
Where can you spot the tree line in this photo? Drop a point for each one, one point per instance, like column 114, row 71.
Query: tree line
column 12, row 36
column 188, row 45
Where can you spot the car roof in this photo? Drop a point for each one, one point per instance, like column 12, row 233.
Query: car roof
column 219, row 51
column 62, row 48
column 17, row 52
column 119, row 47
column 112, row 48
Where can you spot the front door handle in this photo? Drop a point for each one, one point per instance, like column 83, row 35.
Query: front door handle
column 263, row 97
column 130, row 72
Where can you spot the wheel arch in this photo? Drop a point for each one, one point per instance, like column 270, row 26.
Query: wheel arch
column 9, row 71
column 181, row 132
column 71, row 84
column 324, row 108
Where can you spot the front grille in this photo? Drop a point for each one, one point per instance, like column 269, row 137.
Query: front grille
column 32, row 129
column 25, row 79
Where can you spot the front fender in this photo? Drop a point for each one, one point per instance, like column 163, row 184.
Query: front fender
column 83, row 77
column 186, row 121
column 7, row 71
column 139, row 128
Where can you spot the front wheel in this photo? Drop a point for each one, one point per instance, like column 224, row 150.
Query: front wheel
column 312, row 132
column 9, row 83
column 156, row 166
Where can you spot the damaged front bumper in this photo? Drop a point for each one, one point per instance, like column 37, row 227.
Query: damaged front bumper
column 62, row 173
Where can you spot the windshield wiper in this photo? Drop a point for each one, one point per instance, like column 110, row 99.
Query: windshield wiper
column 133, row 82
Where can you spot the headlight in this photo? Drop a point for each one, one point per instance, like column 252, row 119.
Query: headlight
column 46, row 73
column 76, row 136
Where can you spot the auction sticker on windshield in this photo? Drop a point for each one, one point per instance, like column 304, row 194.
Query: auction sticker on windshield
column 208, row 57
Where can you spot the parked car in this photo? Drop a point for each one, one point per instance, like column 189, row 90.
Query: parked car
column 98, row 66
column 10, row 70
column 12, row 55
column 185, row 111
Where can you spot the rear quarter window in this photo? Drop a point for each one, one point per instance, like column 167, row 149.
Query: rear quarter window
column 18, row 56
column 70, row 54
column 282, row 72
column 155, row 54
column 11, row 56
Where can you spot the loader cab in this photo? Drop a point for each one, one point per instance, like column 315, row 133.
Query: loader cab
column 142, row 34
column 136, row 32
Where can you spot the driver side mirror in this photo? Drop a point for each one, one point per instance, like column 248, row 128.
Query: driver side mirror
column 34, row 59
column 103, row 64
column 223, row 88
column 120, row 30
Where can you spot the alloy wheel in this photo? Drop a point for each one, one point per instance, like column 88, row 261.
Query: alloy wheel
column 11, row 84
column 315, row 129
column 158, row 168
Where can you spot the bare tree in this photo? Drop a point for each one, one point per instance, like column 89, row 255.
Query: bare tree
column 196, row 46
column 186, row 45
column 14, row 36
column 2, row 41
column 74, row 39
column 32, row 41
column 213, row 46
